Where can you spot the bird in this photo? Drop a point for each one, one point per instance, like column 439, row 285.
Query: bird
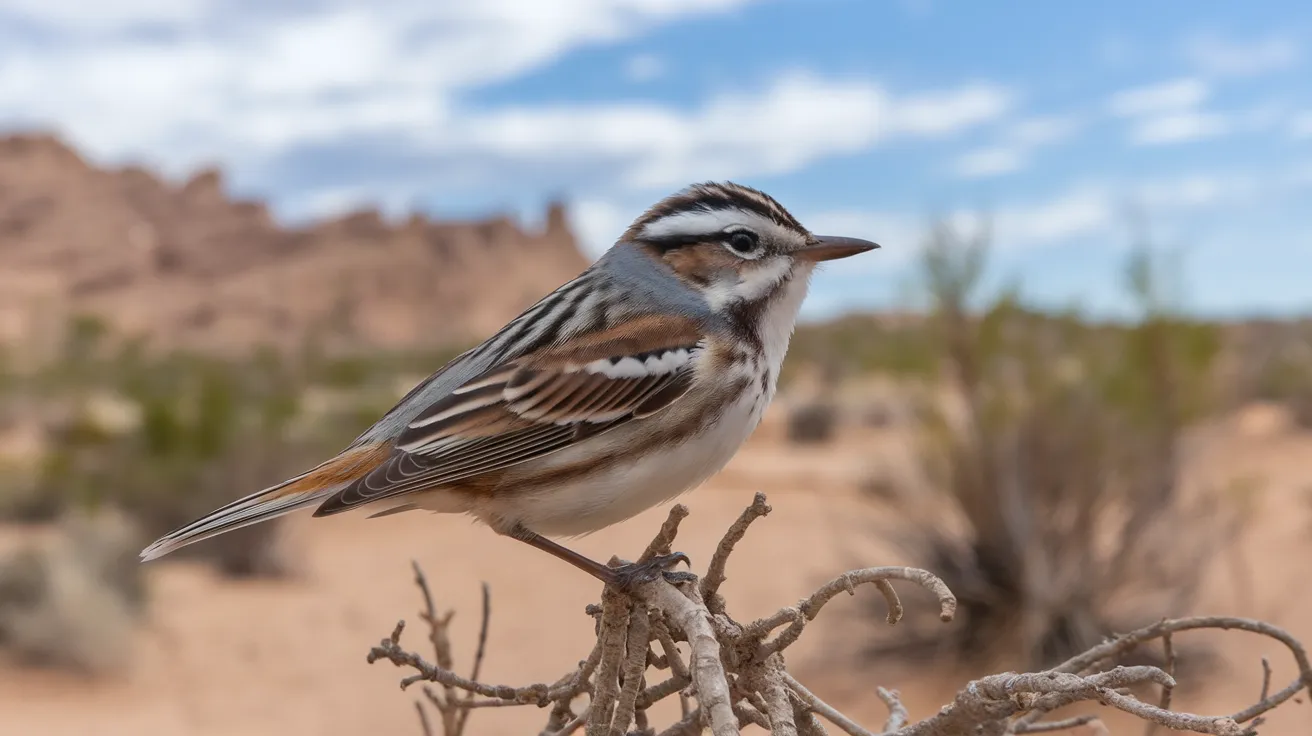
column 621, row 390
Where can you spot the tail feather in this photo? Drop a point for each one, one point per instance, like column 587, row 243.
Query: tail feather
column 303, row 490
column 253, row 509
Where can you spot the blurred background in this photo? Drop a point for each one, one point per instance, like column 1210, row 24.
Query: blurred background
column 1076, row 382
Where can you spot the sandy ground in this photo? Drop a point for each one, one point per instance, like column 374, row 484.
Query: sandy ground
column 256, row 658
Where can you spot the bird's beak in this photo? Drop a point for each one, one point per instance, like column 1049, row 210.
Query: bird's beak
column 828, row 248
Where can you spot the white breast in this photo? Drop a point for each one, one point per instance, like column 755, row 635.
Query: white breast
column 592, row 502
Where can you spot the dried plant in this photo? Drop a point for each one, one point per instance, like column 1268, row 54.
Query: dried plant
column 1053, row 500
column 736, row 675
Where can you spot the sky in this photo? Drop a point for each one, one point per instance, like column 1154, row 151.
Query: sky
column 1059, row 124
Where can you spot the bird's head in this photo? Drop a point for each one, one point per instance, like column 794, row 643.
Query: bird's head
column 735, row 245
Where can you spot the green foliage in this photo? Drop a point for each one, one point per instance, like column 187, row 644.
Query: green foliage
column 862, row 344
column 170, row 435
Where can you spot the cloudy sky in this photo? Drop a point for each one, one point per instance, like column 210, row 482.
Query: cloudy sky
column 865, row 117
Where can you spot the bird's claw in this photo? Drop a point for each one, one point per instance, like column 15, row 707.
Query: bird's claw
column 633, row 574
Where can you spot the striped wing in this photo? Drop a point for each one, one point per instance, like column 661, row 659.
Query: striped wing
column 535, row 405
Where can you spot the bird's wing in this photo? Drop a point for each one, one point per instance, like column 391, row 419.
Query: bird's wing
column 534, row 405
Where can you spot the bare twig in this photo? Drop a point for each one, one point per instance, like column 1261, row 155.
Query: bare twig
column 737, row 675
column 750, row 714
column 639, row 636
column 477, row 668
column 423, row 719
column 1126, row 643
column 1064, row 724
column 826, row 710
column 897, row 712
column 808, row 609
column 572, row 726
column 664, row 540
column 715, row 573
column 774, row 692
column 615, row 612
column 437, row 635
column 1167, row 689
column 689, row 725
column 662, row 690
column 685, row 611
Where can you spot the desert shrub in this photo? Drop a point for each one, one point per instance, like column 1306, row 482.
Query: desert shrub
column 177, row 442
column 811, row 422
column 861, row 344
column 1276, row 365
column 73, row 601
column 169, row 435
column 1052, row 501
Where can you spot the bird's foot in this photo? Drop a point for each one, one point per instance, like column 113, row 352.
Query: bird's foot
column 633, row 574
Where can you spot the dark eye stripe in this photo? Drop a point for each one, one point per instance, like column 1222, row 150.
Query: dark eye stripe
column 671, row 242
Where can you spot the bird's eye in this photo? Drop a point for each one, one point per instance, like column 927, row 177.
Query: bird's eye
column 743, row 242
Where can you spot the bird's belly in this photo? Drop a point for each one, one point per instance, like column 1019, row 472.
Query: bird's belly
column 644, row 477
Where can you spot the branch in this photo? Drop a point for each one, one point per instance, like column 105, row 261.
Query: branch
column 715, row 573
column 808, row 609
column 735, row 675
column 684, row 610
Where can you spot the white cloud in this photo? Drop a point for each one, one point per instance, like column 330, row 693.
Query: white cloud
column 313, row 76
column 1165, row 97
column 1089, row 209
column 643, row 67
column 598, row 223
column 1078, row 212
column 81, row 16
column 220, row 84
column 992, row 161
column 1018, row 142
column 796, row 120
column 1102, row 208
column 1198, row 190
column 1180, row 127
column 1044, row 130
column 1222, row 57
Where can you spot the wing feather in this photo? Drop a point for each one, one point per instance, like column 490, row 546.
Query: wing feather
column 534, row 405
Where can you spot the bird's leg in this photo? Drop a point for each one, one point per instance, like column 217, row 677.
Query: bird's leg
column 625, row 576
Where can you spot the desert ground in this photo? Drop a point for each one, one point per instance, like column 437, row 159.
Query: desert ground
column 268, row 657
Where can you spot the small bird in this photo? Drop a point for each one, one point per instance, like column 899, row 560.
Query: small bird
column 622, row 389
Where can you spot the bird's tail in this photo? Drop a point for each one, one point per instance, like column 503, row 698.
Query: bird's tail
column 306, row 489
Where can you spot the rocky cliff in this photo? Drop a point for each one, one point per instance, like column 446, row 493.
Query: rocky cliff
column 186, row 264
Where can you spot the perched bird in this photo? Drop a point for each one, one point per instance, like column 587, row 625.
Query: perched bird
column 624, row 388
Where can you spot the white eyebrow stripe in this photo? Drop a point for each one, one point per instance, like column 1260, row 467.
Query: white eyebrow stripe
column 706, row 222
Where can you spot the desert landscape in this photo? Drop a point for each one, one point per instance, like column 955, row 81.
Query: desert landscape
column 1161, row 466
column 253, row 657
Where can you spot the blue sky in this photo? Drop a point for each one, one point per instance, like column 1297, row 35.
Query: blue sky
column 864, row 117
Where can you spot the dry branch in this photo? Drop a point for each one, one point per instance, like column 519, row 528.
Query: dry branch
column 735, row 674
